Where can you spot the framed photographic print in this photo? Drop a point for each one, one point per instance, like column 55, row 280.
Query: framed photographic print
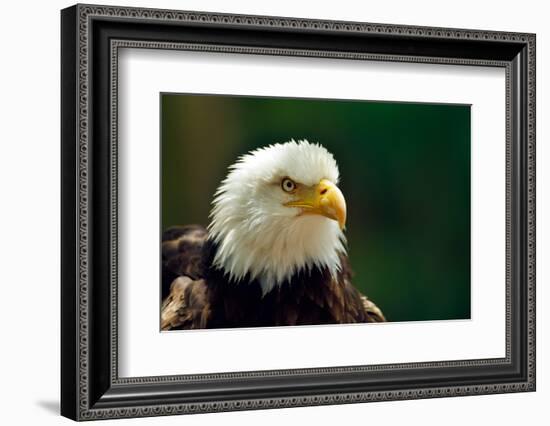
column 264, row 212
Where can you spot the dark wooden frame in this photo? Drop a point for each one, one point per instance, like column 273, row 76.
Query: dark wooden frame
column 90, row 39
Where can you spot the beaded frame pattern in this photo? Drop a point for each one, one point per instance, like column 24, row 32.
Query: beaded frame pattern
column 86, row 12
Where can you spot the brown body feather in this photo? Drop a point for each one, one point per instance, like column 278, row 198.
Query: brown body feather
column 195, row 295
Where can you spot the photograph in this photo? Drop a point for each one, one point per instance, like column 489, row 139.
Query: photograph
column 302, row 211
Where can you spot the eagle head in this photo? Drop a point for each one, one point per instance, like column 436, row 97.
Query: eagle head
column 277, row 212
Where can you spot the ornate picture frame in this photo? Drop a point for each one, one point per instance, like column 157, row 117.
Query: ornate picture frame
column 91, row 37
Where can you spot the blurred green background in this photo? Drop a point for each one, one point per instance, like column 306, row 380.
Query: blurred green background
column 405, row 173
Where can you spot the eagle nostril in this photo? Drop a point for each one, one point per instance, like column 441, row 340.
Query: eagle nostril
column 324, row 191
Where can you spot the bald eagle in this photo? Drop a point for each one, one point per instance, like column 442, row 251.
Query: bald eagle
column 274, row 252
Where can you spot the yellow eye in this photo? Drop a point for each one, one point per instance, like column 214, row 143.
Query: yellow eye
column 288, row 185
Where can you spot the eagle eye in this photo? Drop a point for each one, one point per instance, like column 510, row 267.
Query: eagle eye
column 288, row 185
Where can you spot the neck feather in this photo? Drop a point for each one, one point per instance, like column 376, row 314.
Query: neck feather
column 273, row 250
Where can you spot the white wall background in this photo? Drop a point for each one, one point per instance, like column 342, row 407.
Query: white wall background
column 29, row 212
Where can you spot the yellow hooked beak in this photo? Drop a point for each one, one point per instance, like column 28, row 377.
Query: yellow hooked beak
column 325, row 199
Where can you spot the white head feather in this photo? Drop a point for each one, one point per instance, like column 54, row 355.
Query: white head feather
column 256, row 233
